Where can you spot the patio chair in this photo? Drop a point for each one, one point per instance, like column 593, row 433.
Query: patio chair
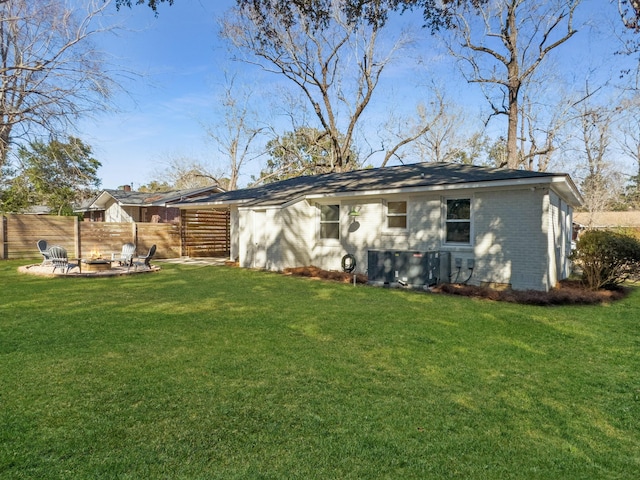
column 146, row 260
column 44, row 251
column 59, row 259
column 127, row 254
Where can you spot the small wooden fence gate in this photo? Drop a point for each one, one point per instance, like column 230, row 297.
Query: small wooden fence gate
column 205, row 233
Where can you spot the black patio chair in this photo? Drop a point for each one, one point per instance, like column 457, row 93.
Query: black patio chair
column 146, row 260
column 44, row 251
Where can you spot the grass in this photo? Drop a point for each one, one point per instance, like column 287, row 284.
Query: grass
column 217, row 372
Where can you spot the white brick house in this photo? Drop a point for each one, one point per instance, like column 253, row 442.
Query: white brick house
column 488, row 226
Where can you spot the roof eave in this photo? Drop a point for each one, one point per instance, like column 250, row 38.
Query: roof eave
column 562, row 183
column 214, row 204
column 571, row 194
column 99, row 202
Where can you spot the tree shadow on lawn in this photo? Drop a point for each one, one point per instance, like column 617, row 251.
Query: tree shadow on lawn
column 568, row 292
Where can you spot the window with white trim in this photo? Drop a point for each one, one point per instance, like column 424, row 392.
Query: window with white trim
column 330, row 221
column 397, row 214
column 458, row 220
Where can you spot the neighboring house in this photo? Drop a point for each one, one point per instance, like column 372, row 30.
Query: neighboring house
column 602, row 220
column 37, row 210
column 628, row 220
column 490, row 226
column 125, row 205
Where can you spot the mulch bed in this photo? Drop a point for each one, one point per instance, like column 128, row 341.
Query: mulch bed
column 568, row 292
column 315, row 272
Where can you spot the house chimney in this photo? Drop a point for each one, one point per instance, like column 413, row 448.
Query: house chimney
column 125, row 188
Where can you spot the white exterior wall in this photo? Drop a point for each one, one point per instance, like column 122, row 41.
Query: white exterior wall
column 327, row 253
column 554, row 239
column 296, row 227
column 256, row 227
column 274, row 238
column 234, row 226
column 520, row 237
column 245, row 238
column 560, row 229
column 511, row 238
column 115, row 213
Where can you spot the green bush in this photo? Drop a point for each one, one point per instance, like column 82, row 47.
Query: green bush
column 607, row 258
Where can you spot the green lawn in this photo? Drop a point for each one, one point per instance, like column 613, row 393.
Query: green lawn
column 216, row 372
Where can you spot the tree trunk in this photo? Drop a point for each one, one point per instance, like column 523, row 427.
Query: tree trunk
column 513, row 159
column 513, row 85
column 5, row 135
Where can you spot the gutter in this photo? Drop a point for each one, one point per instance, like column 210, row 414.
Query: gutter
column 220, row 203
column 562, row 184
column 571, row 192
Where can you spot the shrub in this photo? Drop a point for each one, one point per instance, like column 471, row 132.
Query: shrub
column 607, row 258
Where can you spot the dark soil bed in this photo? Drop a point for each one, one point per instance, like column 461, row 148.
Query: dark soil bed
column 568, row 292
column 315, row 272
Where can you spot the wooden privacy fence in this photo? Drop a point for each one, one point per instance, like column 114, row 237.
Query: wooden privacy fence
column 205, row 233
column 20, row 233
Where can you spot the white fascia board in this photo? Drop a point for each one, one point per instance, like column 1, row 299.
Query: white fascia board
column 571, row 193
column 99, row 203
column 561, row 181
column 263, row 207
column 260, row 208
column 205, row 205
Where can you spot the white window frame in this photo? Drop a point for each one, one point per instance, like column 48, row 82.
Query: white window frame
column 447, row 221
column 397, row 215
column 327, row 222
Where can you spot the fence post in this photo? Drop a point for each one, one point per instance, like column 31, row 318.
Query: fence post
column 3, row 238
column 183, row 247
column 76, row 237
column 134, row 233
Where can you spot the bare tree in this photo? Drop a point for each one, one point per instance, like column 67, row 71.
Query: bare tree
column 628, row 129
column 630, row 13
column 601, row 182
column 184, row 172
column 542, row 123
column 445, row 137
column 401, row 132
column 304, row 151
column 50, row 73
column 153, row 4
column 503, row 43
column 235, row 137
column 334, row 62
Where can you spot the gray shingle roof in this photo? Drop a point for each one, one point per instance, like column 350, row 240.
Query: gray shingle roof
column 143, row 199
column 388, row 178
column 155, row 198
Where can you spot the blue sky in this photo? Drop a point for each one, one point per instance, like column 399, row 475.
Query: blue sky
column 182, row 64
column 177, row 68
